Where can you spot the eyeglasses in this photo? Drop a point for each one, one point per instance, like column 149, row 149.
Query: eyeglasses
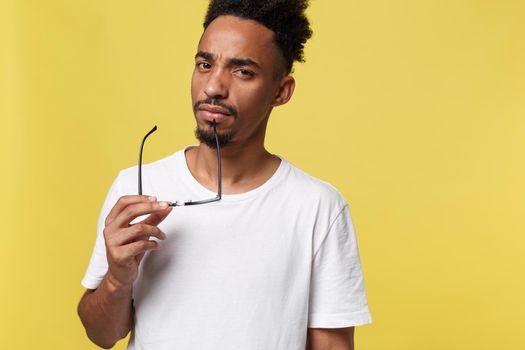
column 190, row 202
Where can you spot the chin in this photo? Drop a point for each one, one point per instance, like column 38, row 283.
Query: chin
column 207, row 137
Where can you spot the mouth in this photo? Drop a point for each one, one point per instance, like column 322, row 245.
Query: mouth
column 210, row 113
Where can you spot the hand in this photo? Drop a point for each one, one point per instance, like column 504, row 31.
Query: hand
column 127, row 243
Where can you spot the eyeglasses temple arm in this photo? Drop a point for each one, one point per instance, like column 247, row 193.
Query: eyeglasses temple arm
column 219, row 167
column 219, row 178
column 140, row 157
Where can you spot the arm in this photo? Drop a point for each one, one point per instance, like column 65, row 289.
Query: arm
column 107, row 312
column 330, row 339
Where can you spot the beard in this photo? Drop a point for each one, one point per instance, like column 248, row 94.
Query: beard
column 207, row 137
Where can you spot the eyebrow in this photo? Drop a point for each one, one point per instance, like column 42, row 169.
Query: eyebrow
column 235, row 61
column 204, row 54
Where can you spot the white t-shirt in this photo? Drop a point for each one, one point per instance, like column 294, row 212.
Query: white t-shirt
column 250, row 272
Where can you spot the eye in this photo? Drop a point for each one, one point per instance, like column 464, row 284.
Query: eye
column 245, row 73
column 203, row 65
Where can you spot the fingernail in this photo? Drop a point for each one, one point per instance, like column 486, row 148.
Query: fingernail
column 163, row 205
column 152, row 198
column 163, row 235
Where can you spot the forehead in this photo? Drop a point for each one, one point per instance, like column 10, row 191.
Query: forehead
column 229, row 37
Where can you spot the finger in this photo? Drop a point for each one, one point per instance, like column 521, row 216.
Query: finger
column 139, row 247
column 132, row 211
column 157, row 217
column 139, row 257
column 134, row 233
column 123, row 202
column 123, row 255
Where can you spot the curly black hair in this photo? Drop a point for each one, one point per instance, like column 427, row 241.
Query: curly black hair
column 285, row 18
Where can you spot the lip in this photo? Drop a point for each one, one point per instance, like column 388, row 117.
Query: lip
column 210, row 117
column 211, row 113
column 213, row 109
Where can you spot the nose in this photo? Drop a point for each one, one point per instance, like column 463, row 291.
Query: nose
column 217, row 85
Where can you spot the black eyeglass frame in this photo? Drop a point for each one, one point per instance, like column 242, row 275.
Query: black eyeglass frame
column 190, row 202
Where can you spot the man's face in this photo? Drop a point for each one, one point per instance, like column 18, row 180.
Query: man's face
column 236, row 79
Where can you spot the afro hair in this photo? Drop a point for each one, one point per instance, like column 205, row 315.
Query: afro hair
column 286, row 18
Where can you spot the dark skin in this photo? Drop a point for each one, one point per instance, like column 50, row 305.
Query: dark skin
column 232, row 69
column 238, row 64
column 107, row 312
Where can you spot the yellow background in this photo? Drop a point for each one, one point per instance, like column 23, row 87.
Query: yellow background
column 413, row 109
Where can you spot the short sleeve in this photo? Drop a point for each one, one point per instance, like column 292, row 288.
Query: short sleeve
column 337, row 292
column 98, row 265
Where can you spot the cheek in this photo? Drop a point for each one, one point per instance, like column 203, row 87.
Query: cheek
column 254, row 99
column 193, row 85
column 196, row 86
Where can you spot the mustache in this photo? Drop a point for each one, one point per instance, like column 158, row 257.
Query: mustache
column 216, row 102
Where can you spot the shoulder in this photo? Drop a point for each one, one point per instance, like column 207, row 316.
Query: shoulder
column 158, row 170
column 312, row 189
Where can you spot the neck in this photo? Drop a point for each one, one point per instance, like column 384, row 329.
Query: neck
column 244, row 166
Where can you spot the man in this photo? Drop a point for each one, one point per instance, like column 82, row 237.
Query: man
column 272, row 265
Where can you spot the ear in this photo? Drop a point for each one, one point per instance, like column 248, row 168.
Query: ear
column 285, row 91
